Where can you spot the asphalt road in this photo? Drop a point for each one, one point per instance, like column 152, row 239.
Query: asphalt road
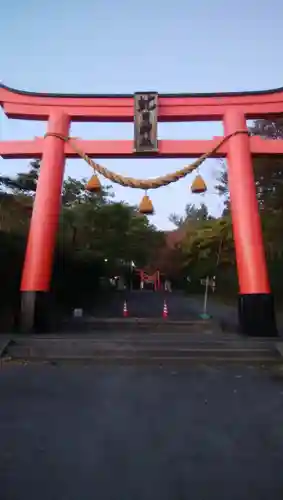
column 71, row 432
column 146, row 304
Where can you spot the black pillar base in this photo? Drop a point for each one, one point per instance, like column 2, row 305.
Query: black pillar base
column 257, row 315
column 35, row 312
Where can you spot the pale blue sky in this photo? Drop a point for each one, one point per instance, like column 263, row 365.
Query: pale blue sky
column 125, row 46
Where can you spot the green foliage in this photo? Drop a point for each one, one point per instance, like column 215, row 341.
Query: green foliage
column 192, row 214
column 93, row 224
column 208, row 247
column 24, row 183
column 201, row 256
column 268, row 171
column 96, row 236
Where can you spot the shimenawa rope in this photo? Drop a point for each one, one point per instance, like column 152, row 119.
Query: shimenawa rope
column 163, row 180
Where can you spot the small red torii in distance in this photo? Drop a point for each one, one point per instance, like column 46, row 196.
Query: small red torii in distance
column 150, row 278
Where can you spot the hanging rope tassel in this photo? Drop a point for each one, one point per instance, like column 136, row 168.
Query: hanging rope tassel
column 146, row 206
column 198, row 185
column 93, row 185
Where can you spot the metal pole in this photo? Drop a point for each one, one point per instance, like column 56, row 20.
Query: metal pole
column 205, row 296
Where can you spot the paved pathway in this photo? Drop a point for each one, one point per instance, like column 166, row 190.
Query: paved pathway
column 144, row 304
column 147, row 304
column 124, row 433
column 150, row 304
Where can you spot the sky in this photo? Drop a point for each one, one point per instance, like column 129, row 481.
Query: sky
column 122, row 46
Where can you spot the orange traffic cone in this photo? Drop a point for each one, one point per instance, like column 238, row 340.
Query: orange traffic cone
column 165, row 310
column 125, row 310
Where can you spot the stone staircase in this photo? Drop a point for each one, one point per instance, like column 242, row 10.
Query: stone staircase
column 142, row 338
column 144, row 348
column 88, row 324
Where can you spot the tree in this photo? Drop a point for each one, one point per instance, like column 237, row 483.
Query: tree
column 192, row 214
column 14, row 214
column 96, row 235
column 269, row 129
column 114, row 231
column 24, row 183
column 77, row 206
column 16, row 198
column 74, row 193
column 208, row 246
column 268, row 171
column 90, row 223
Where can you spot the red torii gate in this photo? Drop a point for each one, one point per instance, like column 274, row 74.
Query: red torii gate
column 153, row 278
column 256, row 309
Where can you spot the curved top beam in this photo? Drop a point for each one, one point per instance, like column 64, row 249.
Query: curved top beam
column 181, row 94
column 120, row 108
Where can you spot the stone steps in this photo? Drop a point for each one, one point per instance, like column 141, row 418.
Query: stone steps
column 92, row 324
column 154, row 348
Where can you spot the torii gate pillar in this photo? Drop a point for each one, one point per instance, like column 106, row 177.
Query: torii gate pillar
column 38, row 262
column 256, row 305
